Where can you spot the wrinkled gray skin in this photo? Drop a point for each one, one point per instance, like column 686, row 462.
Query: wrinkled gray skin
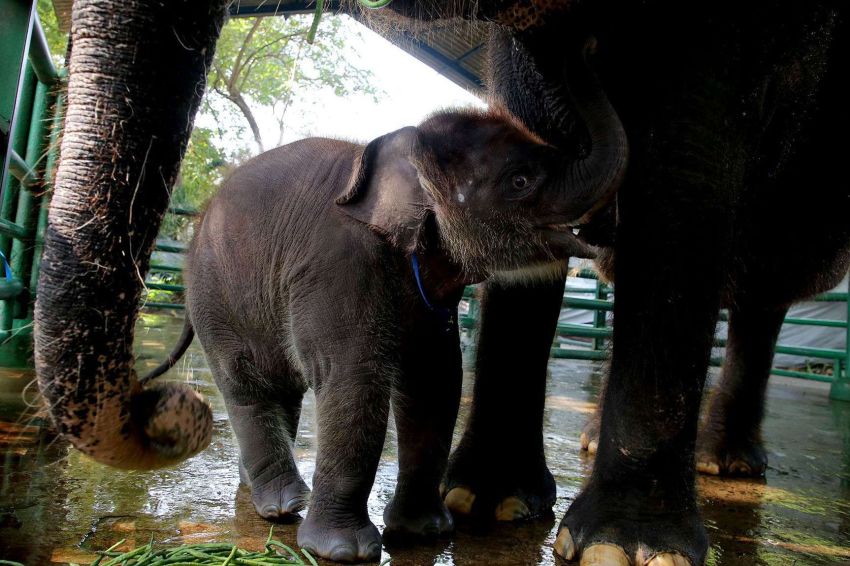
column 300, row 276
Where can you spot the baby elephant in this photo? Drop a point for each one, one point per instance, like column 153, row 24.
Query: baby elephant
column 337, row 266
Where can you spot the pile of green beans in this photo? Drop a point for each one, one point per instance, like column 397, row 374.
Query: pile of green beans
column 205, row 554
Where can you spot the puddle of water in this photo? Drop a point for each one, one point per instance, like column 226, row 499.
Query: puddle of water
column 56, row 505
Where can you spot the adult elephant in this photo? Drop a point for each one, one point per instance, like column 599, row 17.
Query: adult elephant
column 728, row 110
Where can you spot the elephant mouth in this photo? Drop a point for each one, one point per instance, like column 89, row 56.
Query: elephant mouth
column 565, row 239
column 595, row 233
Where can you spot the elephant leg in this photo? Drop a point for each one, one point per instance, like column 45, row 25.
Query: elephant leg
column 641, row 499
column 263, row 411
column 514, row 341
column 730, row 441
column 425, row 405
column 352, row 404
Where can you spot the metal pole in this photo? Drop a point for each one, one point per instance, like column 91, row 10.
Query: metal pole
column 840, row 389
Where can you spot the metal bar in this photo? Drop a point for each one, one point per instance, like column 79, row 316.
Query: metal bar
column 469, row 52
column 582, row 290
column 15, row 30
column 840, row 389
column 10, row 289
column 588, row 304
column 572, row 354
column 174, row 306
column 19, row 169
column 166, row 268
column 823, row 353
column 40, row 57
column 17, row 143
column 599, row 317
column 585, row 332
column 27, row 213
column 49, row 172
column 172, row 248
column 165, row 287
column 802, row 375
column 182, row 211
column 817, row 322
column 833, row 296
column 12, row 230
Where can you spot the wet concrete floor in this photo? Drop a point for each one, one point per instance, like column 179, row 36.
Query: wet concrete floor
column 57, row 506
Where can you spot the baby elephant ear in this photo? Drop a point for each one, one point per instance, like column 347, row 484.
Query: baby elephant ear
column 384, row 190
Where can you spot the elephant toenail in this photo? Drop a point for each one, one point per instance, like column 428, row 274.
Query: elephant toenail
column 459, row 500
column 564, row 545
column 739, row 467
column 295, row 505
column 584, row 441
column 373, row 551
column 604, row 555
column 512, row 509
column 592, row 447
column 710, row 468
column 342, row 553
column 668, row 559
column 270, row 511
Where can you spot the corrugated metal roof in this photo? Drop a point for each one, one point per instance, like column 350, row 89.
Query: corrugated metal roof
column 456, row 50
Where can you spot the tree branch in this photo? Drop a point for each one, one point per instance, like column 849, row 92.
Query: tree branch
column 237, row 64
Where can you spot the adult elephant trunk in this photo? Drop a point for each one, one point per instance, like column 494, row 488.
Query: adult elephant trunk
column 588, row 184
column 137, row 73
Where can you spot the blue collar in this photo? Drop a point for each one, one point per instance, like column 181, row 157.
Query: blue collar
column 447, row 314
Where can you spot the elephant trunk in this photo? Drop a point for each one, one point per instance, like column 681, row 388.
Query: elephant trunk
column 589, row 183
column 137, row 72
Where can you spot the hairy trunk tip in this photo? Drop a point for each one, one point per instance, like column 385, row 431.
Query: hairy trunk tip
column 175, row 420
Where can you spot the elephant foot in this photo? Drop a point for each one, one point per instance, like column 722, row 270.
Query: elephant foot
column 408, row 515
column 358, row 542
column 718, row 455
column 589, row 438
column 612, row 528
column 279, row 498
column 510, row 488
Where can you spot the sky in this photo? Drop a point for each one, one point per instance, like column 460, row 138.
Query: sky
column 411, row 91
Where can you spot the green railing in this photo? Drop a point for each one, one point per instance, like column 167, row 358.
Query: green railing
column 600, row 333
column 590, row 341
column 31, row 111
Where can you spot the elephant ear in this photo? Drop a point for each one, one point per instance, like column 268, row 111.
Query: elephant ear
column 385, row 190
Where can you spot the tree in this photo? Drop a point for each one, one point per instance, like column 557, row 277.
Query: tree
column 260, row 64
column 267, row 61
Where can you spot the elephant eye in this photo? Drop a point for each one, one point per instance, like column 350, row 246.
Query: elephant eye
column 520, row 182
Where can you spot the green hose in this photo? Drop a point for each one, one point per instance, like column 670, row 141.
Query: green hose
column 375, row 4
column 311, row 35
column 320, row 6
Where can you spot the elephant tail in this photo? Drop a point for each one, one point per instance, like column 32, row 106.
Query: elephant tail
column 182, row 345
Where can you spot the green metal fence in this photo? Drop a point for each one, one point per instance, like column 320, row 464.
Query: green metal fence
column 31, row 110
column 600, row 333
column 591, row 341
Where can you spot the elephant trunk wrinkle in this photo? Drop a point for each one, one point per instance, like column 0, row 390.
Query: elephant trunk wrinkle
column 589, row 183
